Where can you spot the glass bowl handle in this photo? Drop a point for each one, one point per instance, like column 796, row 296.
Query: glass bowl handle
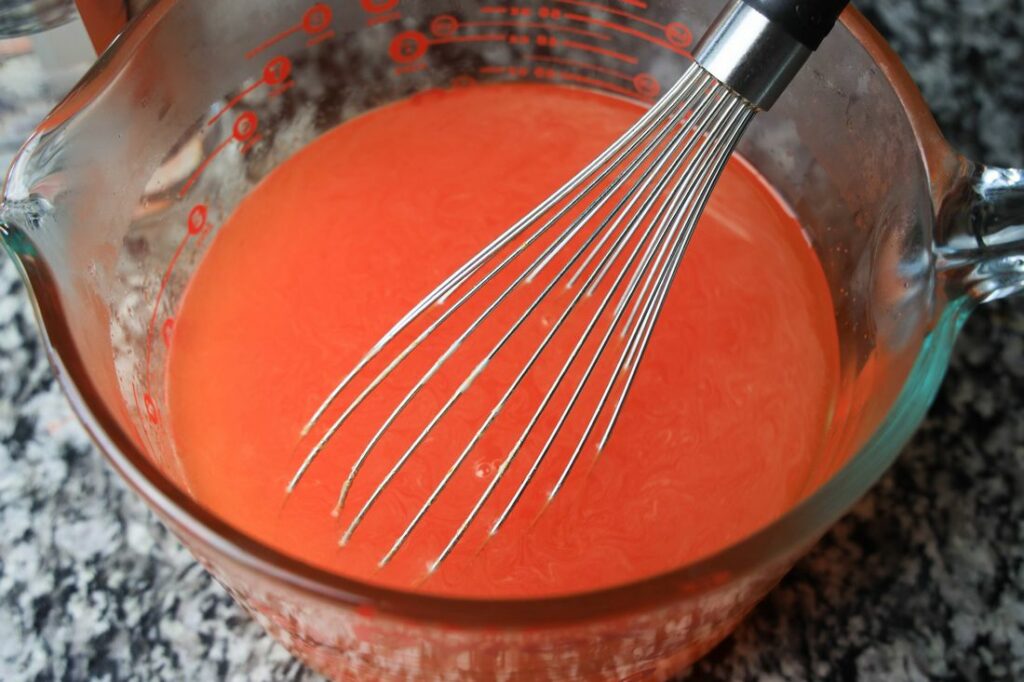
column 981, row 232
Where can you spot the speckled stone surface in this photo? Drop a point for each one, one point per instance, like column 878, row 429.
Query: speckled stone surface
column 924, row 579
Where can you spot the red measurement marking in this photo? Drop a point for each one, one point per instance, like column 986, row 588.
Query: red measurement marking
column 444, row 25
column 323, row 37
column 151, row 410
column 151, row 329
column 520, row 71
column 600, row 50
column 580, row 65
column 554, row 28
column 197, row 219
column 144, row 413
column 577, row 78
column 635, row 3
column 320, row 39
column 245, row 131
column 410, row 68
column 496, row 37
column 245, row 126
column 493, row 10
column 250, row 144
column 168, row 330
column 202, row 167
column 408, row 46
column 272, row 41
column 233, row 102
column 374, row 21
column 647, row 85
column 378, row 6
column 315, row 20
column 197, row 223
column 612, row 10
column 276, row 71
column 203, row 235
column 383, row 10
column 627, row 30
column 679, row 34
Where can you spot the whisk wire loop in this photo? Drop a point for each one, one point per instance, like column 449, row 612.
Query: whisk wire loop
column 607, row 227
column 577, row 224
column 687, row 87
column 637, row 206
column 662, row 232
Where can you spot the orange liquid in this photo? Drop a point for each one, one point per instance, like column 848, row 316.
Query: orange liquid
column 721, row 434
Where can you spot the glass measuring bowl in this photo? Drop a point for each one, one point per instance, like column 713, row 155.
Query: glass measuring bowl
column 108, row 208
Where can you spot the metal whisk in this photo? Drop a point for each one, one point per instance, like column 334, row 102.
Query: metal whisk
column 616, row 232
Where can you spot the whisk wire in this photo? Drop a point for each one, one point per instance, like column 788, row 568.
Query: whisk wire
column 570, row 307
column 677, row 240
column 708, row 174
column 577, row 224
column 690, row 82
column 653, row 183
column 574, row 354
column 620, row 210
column 688, row 87
column 654, row 308
column 660, row 238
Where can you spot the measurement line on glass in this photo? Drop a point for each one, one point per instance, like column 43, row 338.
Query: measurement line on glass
column 568, row 76
column 408, row 47
column 640, row 4
column 611, row 25
column 478, row 38
column 316, row 23
column 628, row 59
column 611, row 10
column 245, row 131
column 538, row 25
column 644, row 86
column 197, row 225
column 677, row 36
column 276, row 74
column 583, row 66
column 381, row 11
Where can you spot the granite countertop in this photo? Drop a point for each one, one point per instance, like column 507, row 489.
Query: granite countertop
column 924, row 579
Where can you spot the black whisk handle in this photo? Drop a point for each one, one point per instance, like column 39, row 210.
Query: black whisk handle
column 809, row 21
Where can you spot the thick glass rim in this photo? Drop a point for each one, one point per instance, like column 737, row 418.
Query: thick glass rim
column 781, row 540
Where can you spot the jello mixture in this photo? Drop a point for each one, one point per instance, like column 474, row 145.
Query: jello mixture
column 720, row 435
